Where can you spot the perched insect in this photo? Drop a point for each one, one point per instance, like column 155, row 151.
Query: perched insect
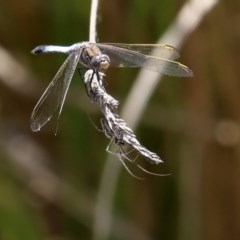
column 98, row 57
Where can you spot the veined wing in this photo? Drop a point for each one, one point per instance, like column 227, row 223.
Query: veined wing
column 54, row 96
column 136, row 55
column 156, row 50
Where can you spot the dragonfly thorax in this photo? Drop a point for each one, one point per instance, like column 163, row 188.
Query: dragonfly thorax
column 92, row 58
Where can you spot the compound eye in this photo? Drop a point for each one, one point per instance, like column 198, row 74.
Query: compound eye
column 95, row 62
column 105, row 58
column 100, row 62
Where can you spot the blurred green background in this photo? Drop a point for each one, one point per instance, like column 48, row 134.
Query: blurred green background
column 49, row 184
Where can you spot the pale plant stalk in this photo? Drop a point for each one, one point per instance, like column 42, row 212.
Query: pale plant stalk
column 186, row 21
column 93, row 21
column 23, row 82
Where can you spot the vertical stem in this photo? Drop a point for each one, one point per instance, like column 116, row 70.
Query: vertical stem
column 93, row 21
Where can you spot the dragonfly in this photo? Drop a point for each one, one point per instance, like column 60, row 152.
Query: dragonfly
column 98, row 57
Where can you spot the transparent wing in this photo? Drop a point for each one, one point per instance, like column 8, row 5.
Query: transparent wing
column 137, row 55
column 156, row 50
column 54, row 96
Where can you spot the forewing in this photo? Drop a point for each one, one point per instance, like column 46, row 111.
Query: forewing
column 124, row 55
column 54, row 96
column 155, row 50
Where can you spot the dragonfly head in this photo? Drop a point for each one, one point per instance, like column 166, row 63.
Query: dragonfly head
column 100, row 62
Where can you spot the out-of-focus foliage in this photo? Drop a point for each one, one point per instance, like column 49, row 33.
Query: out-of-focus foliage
column 48, row 183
